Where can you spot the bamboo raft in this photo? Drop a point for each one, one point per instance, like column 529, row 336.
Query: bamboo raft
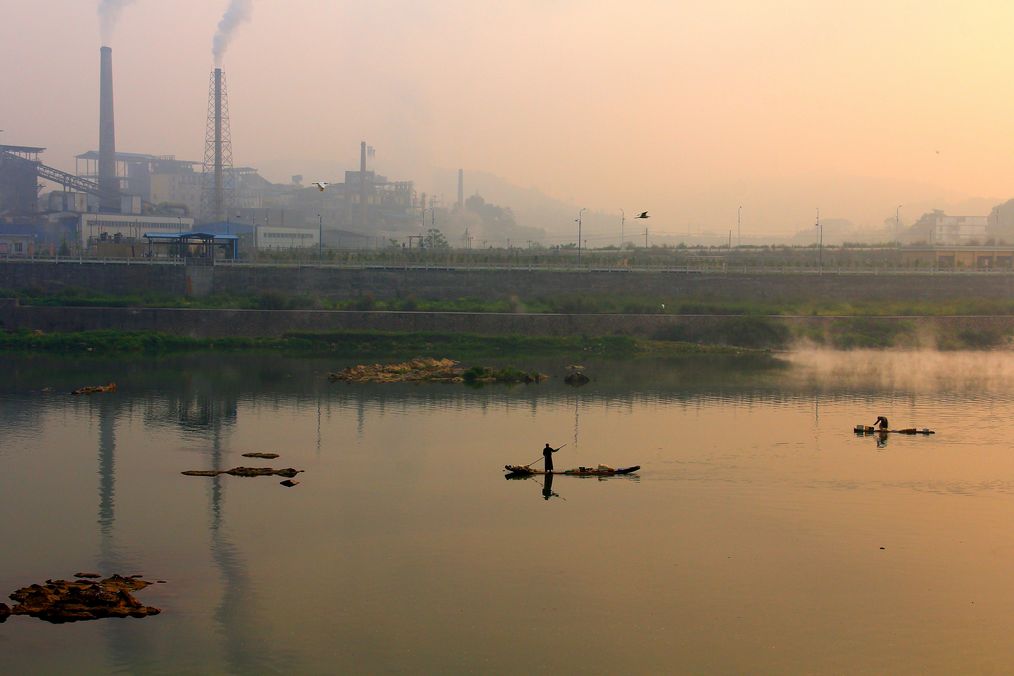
column 870, row 429
column 600, row 470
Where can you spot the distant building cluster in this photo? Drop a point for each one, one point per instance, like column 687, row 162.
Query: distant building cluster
column 160, row 194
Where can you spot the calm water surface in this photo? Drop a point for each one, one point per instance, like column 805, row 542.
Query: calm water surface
column 761, row 535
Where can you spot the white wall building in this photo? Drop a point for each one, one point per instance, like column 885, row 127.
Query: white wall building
column 98, row 227
column 954, row 230
column 269, row 237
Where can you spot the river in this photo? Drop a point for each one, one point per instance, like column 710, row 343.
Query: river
column 760, row 536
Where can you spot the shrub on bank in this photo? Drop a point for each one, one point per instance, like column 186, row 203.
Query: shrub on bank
column 749, row 332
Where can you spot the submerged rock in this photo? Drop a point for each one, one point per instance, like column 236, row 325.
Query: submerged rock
column 486, row 374
column 5, row 612
column 60, row 601
column 265, row 456
column 289, row 483
column 245, row 471
column 96, row 575
column 576, row 378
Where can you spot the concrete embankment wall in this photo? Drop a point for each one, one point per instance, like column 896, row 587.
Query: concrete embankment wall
column 274, row 323
column 385, row 283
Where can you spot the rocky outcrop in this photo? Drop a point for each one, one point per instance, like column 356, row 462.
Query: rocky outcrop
column 95, row 389
column 245, row 471
column 60, row 601
column 421, row 369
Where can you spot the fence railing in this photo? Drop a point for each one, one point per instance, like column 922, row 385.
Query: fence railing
column 559, row 265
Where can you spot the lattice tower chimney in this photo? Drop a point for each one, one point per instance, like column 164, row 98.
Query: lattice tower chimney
column 219, row 181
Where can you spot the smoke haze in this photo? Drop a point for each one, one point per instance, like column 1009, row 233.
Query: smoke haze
column 109, row 12
column 236, row 14
column 686, row 109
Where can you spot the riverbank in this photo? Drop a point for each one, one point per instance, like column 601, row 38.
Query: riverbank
column 190, row 328
column 354, row 343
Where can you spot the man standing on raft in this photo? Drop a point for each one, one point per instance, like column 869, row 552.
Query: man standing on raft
column 547, row 453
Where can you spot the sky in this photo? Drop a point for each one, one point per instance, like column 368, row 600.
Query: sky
column 688, row 109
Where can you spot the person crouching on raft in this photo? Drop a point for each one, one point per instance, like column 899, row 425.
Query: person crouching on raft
column 881, row 422
column 547, row 453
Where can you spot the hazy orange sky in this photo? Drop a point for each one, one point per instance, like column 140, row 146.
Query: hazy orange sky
column 688, row 109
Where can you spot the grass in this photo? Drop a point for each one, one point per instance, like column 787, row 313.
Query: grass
column 571, row 304
column 351, row 343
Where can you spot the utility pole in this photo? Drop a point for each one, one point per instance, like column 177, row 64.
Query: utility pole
column 897, row 222
column 320, row 239
column 646, row 238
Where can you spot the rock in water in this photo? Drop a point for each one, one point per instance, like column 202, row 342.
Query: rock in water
column 5, row 612
column 265, row 456
column 245, row 471
column 60, row 601
column 95, row 389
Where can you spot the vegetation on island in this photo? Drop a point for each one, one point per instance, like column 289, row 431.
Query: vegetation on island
column 429, row 370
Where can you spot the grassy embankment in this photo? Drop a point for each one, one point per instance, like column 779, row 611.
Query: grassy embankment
column 356, row 343
column 751, row 325
column 591, row 304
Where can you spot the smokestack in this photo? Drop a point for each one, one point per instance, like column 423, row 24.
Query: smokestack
column 461, row 188
column 108, row 183
column 219, row 195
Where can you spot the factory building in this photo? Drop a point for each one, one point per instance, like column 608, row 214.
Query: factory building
column 269, row 237
column 19, row 179
column 160, row 180
column 95, row 230
column 17, row 241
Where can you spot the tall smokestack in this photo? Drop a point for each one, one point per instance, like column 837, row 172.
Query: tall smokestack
column 219, row 195
column 461, row 188
column 362, row 185
column 108, row 183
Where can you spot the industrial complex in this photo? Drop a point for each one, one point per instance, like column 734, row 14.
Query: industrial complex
column 118, row 203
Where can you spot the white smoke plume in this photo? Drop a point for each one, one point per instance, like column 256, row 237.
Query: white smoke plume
column 237, row 13
column 109, row 12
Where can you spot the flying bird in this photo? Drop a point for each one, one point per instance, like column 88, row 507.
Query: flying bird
column 643, row 214
column 321, row 185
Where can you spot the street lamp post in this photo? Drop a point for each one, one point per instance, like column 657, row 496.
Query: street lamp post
column 623, row 219
column 739, row 226
column 578, row 219
column 897, row 222
column 320, row 239
column 820, row 244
